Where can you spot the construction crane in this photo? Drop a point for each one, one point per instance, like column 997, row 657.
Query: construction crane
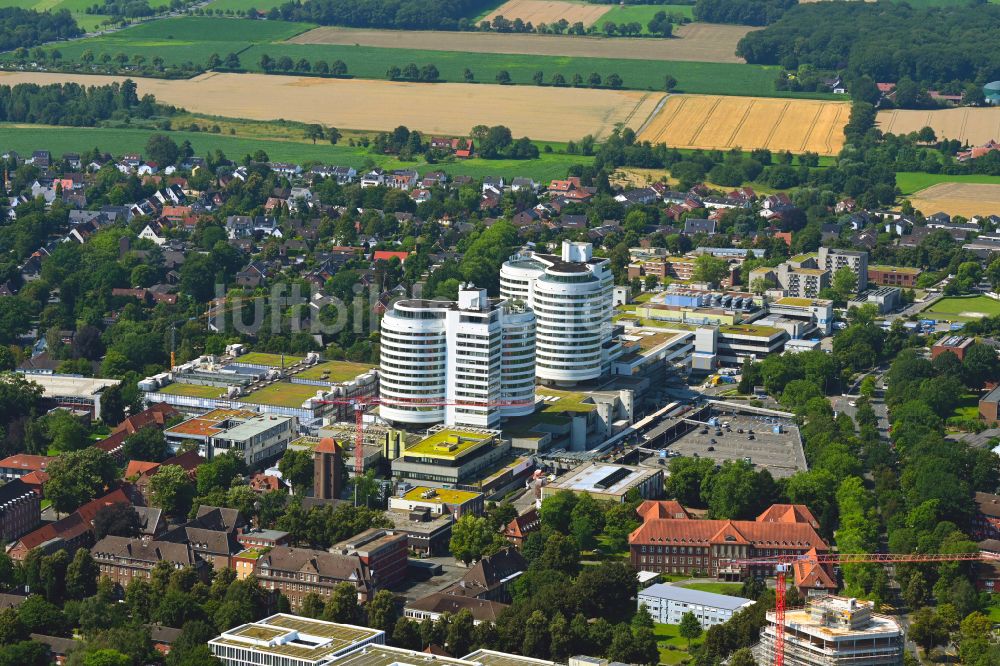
column 783, row 564
column 361, row 404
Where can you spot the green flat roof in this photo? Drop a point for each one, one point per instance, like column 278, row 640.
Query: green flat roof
column 281, row 394
column 192, row 390
column 567, row 401
column 335, row 372
column 750, row 330
column 896, row 269
column 804, row 256
column 270, row 360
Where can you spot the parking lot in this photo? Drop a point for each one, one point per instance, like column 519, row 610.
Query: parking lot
column 779, row 453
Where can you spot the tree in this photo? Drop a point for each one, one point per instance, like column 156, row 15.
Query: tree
column 81, row 575
column 536, row 641
column 503, row 77
column 844, row 282
column 472, row 538
column 162, row 150
column 170, row 489
column 690, row 628
column 65, row 431
column 614, row 81
column 343, row 605
column 927, row 630
column 333, row 135
column 557, row 510
column 77, row 477
column 297, row 469
column 314, row 132
column 147, row 444
column 709, row 269
column 586, row 521
column 742, row 657
column 382, row 612
column 669, row 83
column 980, row 365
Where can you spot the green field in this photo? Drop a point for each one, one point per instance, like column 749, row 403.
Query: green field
column 372, row 63
column 643, row 13
column 58, row 140
column 909, row 182
column 195, row 39
column 963, row 308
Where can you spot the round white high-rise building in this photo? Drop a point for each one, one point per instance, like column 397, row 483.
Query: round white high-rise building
column 473, row 360
column 572, row 297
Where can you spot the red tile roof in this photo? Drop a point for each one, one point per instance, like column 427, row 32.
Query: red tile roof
column 662, row 509
column 792, row 536
column 788, row 513
column 73, row 525
column 386, row 255
column 26, row 462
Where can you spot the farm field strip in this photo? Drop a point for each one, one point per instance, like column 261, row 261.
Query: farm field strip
column 693, row 42
column 556, row 114
column 966, row 199
column 549, row 11
column 969, row 125
column 192, row 40
column 715, row 122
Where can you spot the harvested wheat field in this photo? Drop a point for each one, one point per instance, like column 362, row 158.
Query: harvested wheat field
column 718, row 122
column 549, row 11
column 554, row 114
column 966, row 199
column 969, row 125
column 701, row 42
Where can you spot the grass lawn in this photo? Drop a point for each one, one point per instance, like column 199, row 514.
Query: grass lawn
column 281, row 394
column 968, row 407
column 193, row 39
column 993, row 610
column 269, row 360
column 732, row 589
column 909, row 182
column 673, row 648
column 644, row 13
column 335, row 371
column 27, row 138
column 963, row 308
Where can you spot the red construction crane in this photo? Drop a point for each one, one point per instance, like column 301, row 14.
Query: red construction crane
column 783, row 564
column 361, row 404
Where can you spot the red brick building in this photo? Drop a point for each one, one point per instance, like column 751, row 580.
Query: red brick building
column 384, row 552
column 20, row 509
column 956, row 344
column 688, row 546
column 893, row 276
